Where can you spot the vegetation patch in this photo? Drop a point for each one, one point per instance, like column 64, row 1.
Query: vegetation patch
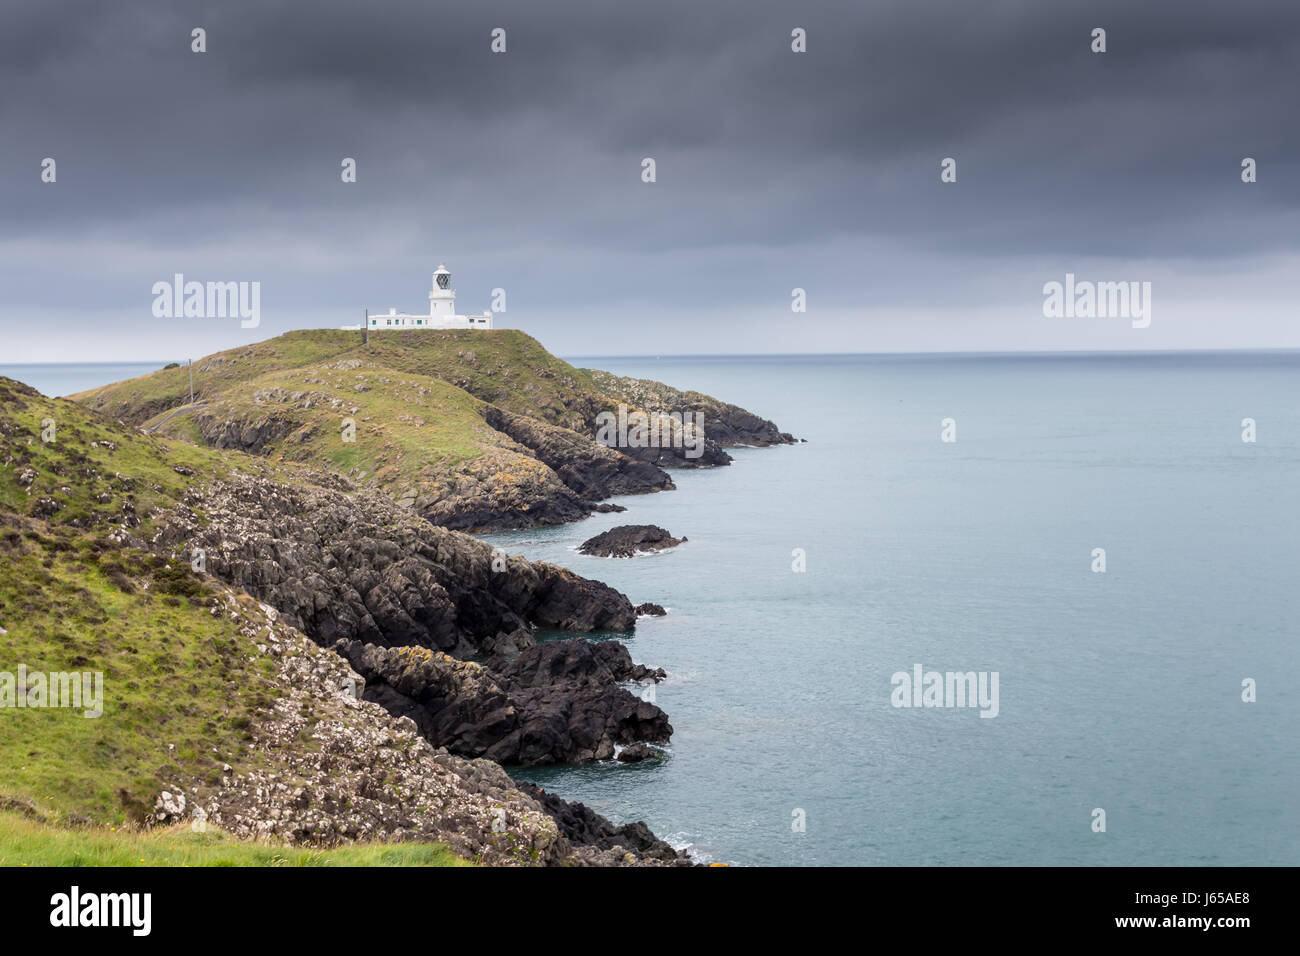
column 180, row 687
column 28, row 842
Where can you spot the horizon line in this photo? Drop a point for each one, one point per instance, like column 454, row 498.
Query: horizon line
column 1245, row 350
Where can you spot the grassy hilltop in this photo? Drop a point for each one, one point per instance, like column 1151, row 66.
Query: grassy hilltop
column 476, row 430
column 416, row 404
column 503, row 367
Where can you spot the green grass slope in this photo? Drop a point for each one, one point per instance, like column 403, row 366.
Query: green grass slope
column 182, row 695
column 25, row 841
column 179, row 694
column 179, row 690
column 411, row 435
column 139, row 399
column 504, row 367
column 91, row 471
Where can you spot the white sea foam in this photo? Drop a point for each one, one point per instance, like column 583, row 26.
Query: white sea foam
column 680, row 843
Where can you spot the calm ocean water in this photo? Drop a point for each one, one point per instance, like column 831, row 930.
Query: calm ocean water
column 66, row 379
column 1119, row 691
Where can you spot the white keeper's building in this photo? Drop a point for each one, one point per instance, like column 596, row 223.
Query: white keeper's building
column 442, row 311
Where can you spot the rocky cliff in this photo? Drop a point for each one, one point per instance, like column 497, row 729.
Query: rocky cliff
column 310, row 504
column 344, row 568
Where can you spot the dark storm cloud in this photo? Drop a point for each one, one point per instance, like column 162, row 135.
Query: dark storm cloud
column 525, row 166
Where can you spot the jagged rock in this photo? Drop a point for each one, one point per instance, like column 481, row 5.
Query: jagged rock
column 584, row 827
column 170, row 806
column 724, row 423
column 590, row 469
column 499, row 493
column 507, row 646
column 704, row 453
column 636, row 753
column 366, row 776
column 642, row 673
column 655, row 610
column 548, row 703
column 352, row 567
column 628, row 540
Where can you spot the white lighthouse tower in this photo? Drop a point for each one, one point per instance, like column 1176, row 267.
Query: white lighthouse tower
column 442, row 297
column 442, row 311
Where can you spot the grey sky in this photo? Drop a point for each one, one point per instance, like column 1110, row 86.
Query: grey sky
column 775, row 170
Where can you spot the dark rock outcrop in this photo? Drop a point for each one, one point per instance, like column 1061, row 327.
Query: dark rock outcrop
column 655, row 610
column 219, row 428
column 350, row 567
column 586, row 828
column 724, row 424
column 549, row 703
column 408, row 604
column 628, row 540
column 709, row 455
column 637, row 753
column 369, row 776
column 477, row 499
column 590, row 469
column 730, row 425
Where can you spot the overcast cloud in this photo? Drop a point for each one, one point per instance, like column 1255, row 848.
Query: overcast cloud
column 775, row 170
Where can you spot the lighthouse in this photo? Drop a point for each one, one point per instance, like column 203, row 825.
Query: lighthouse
column 442, row 311
column 442, row 297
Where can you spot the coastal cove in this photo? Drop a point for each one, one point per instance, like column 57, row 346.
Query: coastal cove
column 973, row 556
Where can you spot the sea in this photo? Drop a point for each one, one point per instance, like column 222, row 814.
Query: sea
column 1097, row 535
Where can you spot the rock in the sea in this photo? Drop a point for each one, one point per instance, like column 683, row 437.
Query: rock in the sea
column 655, row 610
column 629, row 539
column 642, row 673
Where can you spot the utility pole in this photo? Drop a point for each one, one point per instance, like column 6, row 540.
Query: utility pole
column 191, row 367
column 365, row 326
